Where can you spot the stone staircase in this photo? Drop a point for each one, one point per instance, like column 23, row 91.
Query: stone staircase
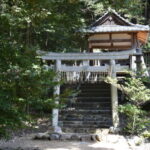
column 89, row 110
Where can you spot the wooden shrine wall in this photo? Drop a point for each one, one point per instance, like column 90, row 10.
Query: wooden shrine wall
column 120, row 41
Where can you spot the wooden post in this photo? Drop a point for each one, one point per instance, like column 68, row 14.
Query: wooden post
column 114, row 96
column 55, row 111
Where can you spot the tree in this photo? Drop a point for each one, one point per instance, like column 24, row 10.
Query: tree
column 27, row 26
column 24, row 83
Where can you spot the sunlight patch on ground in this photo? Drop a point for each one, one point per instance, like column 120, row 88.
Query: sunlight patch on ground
column 100, row 145
column 56, row 149
column 63, row 148
column 109, row 146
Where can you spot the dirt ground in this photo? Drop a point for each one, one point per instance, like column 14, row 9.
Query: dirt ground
column 112, row 142
column 24, row 141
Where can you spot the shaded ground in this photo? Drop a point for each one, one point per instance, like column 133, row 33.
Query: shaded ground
column 22, row 140
column 112, row 142
column 38, row 125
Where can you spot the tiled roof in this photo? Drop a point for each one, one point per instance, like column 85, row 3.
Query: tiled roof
column 114, row 12
column 98, row 26
column 116, row 28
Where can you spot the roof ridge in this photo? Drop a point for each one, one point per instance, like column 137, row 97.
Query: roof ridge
column 100, row 18
column 110, row 10
column 127, row 21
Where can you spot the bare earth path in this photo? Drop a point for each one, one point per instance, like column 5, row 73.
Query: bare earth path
column 24, row 141
column 112, row 142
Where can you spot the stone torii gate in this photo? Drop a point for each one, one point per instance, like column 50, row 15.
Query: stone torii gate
column 114, row 46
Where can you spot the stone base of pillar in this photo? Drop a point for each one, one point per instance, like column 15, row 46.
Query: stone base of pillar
column 55, row 129
column 114, row 130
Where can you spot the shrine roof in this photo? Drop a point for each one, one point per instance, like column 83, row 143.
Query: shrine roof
column 111, row 21
column 116, row 28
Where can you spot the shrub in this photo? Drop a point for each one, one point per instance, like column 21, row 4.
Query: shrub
column 136, row 94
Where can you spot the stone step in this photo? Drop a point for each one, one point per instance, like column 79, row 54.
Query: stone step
column 99, row 107
column 82, row 129
column 94, row 94
column 81, row 118
column 93, row 99
column 100, row 125
column 90, row 99
column 95, row 85
column 86, row 118
column 88, row 108
column 83, row 112
column 85, row 123
column 91, row 104
column 94, row 90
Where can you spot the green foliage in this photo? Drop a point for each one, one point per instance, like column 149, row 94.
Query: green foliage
column 25, row 27
column 24, row 84
column 146, row 134
column 23, row 89
column 146, row 47
column 50, row 25
column 127, row 8
column 136, row 93
column 136, row 118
